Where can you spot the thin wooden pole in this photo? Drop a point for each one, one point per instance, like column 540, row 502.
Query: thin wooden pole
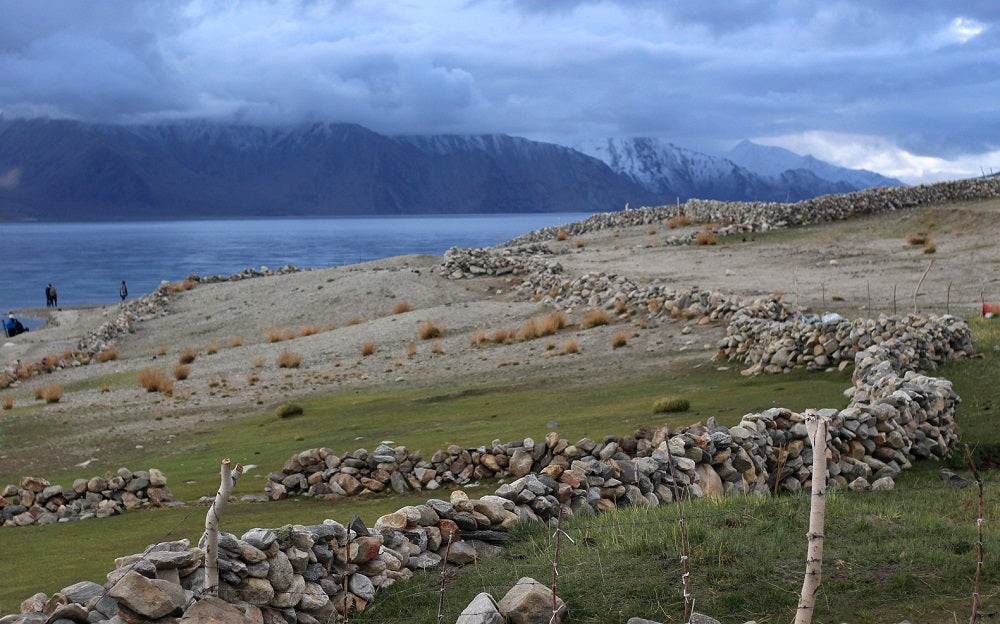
column 816, row 428
column 686, row 576
column 228, row 479
column 919, row 283
column 979, row 540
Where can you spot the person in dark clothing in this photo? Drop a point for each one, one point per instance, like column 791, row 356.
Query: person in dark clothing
column 55, row 297
column 12, row 326
column 48, row 296
column 123, row 291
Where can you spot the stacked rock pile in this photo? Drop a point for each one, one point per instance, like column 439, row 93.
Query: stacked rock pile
column 294, row 573
column 461, row 262
column 763, row 216
column 36, row 501
column 247, row 273
column 773, row 345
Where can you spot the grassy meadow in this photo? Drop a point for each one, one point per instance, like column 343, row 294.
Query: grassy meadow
column 905, row 554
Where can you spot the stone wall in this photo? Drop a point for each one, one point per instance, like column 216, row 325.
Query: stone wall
column 36, row 501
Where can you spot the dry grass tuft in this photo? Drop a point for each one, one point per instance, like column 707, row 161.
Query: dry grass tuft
column 920, row 238
column 252, row 378
column 51, row 361
column 620, row 339
column 187, row 355
column 429, row 330
column 530, row 330
column 401, row 307
column 38, row 393
column 52, row 394
column 154, row 380
column 161, row 351
column 181, row 371
column 309, row 330
column 671, row 403
column 109, row 354
column 553, row 323
column 236, row 341
column 289, row 359
column 478, row 338
column 593, row 318
column 176, row 287
column 561, row 235
column 655, row 306
column 368, row 348
column 930, row 247
column 105, row 388
column 411, row 349
column 212, row 349
column 501, row 336
column 278, row 334
column 705, row 237
column 354, row 321
column 8, row 401
column 678, row 221
column 259, row 362
column 436, row 348
column 579, row 243
column 571, row 347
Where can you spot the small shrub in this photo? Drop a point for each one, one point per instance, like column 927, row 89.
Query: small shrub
column 593, row 318
column 153, row 380
column 655, row 306
column 478, row 338
column 176, row 287
column 930, row 247
column 8, row 401
column 502, row 336
column 671, row 403
column 51, row 361
column 580, row 243
column 651, row 231
column 109, row 354
column 620, row 339
column 252, row 378
column 236, row 341
column 309, row 330
column 181, row 371
column 553, row 323
column 39, row 392
column 161, row 351
column 428, row 330
column 550, row 345
column 354, row 321
column 259, row 362
column 218, row 380
column 52, row 394
column 678, row 221
column 571, row 347
column 105, row 388
column 401, row 307
column 530, row 330
column 920, row 238
column 187, row 356
column 561, row 235
column 705, row 237
column 289, row 359
column 278, row 334
column 436, row 348
column 368, row 348
column 212, row 349
column 411, row 349
column 289, row 410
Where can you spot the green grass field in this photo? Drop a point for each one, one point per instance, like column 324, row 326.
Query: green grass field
column 907, row 552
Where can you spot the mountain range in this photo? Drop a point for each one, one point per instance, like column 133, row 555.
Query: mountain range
column 70, row 170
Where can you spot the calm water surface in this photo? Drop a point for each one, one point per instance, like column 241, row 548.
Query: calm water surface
column 86, row 262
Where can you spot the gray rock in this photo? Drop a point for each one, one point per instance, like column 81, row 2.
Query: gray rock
column 482, row 609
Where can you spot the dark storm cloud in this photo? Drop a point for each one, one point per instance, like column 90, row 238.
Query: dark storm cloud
column 919, row 77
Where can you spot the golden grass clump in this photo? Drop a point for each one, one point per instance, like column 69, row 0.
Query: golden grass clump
column 930, row 247
column 51, row 361
column 501, row 336
column 428, row 330
column 571, row 347
column 553, row 323
column 8, row 401
column 161, row 351
column 278, row 334
column 918, row 239
column 561, row 235
column 252, row 378
column 154, row 380
column 176, row 287
column 39, row 392
column 354, row 321
column 52, row 394
column 212, row 349
column 620, row 339
column 309, row 330
column 594, row 318
column 109, row 354
column 655, row 306
column 672, row 403
column 105, row 388
column 289, row 359
column 187, row 355
column 530, row 330
column 236, row 341
column 579, row 243
column 678, row 221
column 259, row 362
column 411, row 349
column 436, row 348
column 368, row 348
column 705, row 237
column 478, row 338
column 181, row 371
column 401, row 307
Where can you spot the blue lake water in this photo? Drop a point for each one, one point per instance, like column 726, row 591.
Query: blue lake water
column 86, row 262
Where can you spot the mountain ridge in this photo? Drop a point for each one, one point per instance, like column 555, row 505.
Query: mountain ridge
column 69, row 170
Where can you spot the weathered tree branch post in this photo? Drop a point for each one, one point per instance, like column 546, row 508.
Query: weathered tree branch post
column 228, row 479
column 919, row 284
column 816, row 428
column 686, row 572
column 979, row 538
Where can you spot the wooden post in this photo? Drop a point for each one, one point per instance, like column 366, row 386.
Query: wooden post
column 816, row 428
column 686, row 575
column 917, row 291
column 228, row 479
column 979, row 538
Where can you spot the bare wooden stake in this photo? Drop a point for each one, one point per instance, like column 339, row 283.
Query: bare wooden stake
column 947, row 306
column 894, row 300
column 917, row 291
column 228, row 479
column 686, row 575
column 869, row 299
column 979, row 538
column 816, row 428
column 444, row 569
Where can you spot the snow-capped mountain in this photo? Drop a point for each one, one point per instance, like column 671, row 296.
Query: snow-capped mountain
column 676, row 172
column 773, row 161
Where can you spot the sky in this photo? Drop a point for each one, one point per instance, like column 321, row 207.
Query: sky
column 907, row 88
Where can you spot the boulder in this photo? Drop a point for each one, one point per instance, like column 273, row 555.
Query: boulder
column 530, row 602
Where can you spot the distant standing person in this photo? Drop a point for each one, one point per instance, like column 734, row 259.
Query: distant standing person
column 55, row 296
column 49, row 296
column 123, row 291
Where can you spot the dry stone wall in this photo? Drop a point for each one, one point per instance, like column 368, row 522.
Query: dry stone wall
column 37, row 501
